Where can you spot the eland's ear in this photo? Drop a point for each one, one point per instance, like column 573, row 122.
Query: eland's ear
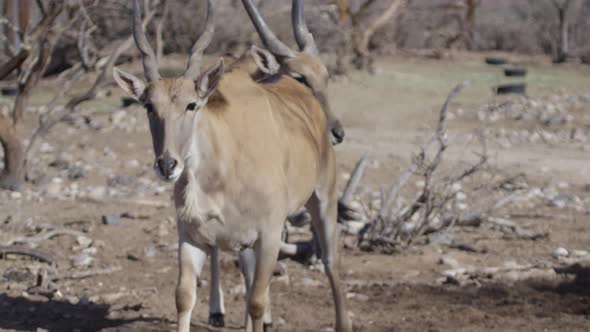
column 208, row 81
column 129, row 83
column 265, row 61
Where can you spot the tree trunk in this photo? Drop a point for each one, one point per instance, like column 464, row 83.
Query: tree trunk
column 562, row 49
column 159, row 31
column 362, row 37
column 12, row 176
column 343, row 11
column 470, row 17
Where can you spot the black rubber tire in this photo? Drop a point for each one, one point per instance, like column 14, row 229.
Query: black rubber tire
column 10, row 92
column 496, row 61
column 517, row 88
column 515, row 72
column 128, row 101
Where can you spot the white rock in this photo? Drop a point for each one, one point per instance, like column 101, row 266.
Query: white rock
column 238, row 290
column 45, row 147
column 84, row 241
column 357, row 296
column 578, row 253
column 82, row 259
column 461, row 196
column 133, row 163
column 560, row 252
column 97, row 193
column 449, row 261
column 310, row 282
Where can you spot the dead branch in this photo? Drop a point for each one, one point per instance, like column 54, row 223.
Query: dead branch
column 104, row 77
column 33, row 240
column 517, row 230
column 14, row 63
column 354, row 180
column 384, row 231
column 40, row 255
column 87, row 274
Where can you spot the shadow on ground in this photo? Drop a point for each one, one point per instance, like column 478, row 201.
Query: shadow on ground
column 20, row 313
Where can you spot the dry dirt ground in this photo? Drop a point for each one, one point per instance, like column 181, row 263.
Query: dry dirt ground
column 99, row 163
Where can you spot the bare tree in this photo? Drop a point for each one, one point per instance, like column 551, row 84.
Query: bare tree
column 566, row 9
column 470, row 18
column 37, row 45
column 360, row 26
column 40, row 40
column 161, row 20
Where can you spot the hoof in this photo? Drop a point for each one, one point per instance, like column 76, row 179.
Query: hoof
column 337, row 135
column 217, row 320
column 267, row 327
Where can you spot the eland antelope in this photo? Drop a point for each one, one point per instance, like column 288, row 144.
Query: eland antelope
column 242, row 156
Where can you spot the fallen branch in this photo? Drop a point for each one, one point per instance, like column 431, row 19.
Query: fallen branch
column 40, row 255
column 384, row 231
column 516, row 229
column 87, row 274
column 44, row 236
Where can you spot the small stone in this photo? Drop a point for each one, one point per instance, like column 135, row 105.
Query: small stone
column 97, row 193
column 133, row 163
column 238, row 290
column 76, row 172
column 162, row 230
column 310, row 282
column 84, row 301
column 16, row 195
column 283, row 280
column 118, row 117
column 45, row 148
column 150, row 251
column 57, row 295
column 83, row 241
column 560, row 252
column 82, row 259
column 53, row 189
column 90, row 251
column 280, row 269
column 449, row 261
column 121, row 180
column 578, row 253
column 111, row 219
column 357, row 296
column 441, row 238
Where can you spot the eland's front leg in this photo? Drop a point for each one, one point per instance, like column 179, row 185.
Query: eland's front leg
column 191, row 260
column 247, row 266
column 266, row 251
column 216, row 305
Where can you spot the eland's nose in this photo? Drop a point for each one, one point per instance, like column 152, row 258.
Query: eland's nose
column 166, row 165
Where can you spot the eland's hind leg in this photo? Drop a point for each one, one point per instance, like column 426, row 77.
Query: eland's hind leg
column 191, row 260
column 323, row 208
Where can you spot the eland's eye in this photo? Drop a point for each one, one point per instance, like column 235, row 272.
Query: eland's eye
column 149, row 108
column 191, row 106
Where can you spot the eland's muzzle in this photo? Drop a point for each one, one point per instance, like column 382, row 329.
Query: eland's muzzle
column 166, row 166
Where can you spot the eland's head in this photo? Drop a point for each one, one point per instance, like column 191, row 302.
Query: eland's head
column 172, row 104
column 304, row 65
